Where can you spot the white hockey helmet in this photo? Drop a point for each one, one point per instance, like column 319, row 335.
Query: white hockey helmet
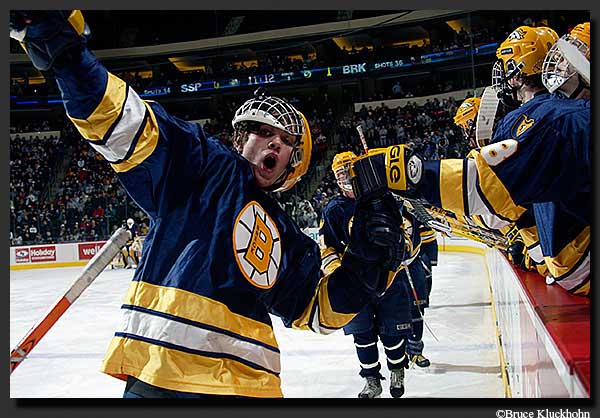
column 130, row 222
column 270, row 110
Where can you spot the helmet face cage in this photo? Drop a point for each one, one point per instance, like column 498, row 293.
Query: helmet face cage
column 272, row 111
column 580, row 37
column 499, row 82
column 506, row 94
column 579, row 44
column 278, row 113
column 468, row 130
column 556, row 70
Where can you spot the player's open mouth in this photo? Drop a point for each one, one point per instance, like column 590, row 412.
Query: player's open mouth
column 269, row 162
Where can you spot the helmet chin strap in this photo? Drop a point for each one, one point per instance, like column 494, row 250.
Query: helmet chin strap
column 509, row 99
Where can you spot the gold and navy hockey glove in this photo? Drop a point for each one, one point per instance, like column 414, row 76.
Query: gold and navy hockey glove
column 46, row 34
column 395, row 168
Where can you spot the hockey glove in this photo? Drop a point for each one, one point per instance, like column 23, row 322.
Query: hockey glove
column 376, row 242
column 395, row 168
column 46, row 34
column 516, row 254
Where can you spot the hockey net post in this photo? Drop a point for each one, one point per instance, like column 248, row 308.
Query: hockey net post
column 92, row 269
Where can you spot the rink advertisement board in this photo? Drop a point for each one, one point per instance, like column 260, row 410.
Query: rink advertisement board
column 53, row 255
column 87, row 250
column 22, row 255
column 42, row 253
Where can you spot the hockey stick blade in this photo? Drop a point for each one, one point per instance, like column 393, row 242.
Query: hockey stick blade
column 486, row 116
column 92, row 269
column 416, row 208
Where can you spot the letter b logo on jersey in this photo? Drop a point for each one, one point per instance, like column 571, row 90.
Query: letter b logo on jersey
column 261, row 246
column 257, row 246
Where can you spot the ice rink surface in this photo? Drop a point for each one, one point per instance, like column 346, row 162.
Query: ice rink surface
column 65, row 364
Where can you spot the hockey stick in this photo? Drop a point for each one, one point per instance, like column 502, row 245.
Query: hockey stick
column 488, row 107
column 92, row 269
column 416, row 297
column 418, row 210
column 474, row 232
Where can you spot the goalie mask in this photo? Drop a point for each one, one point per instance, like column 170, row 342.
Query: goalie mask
column 341, row 169
column 130, row 222
column 466, row 117
column 557, row 73
column 276, row 112
column 520, row 55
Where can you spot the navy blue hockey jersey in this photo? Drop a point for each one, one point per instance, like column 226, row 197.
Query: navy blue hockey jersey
column 542, row 154
column 220, row 254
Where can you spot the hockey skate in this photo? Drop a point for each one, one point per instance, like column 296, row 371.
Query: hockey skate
column 372, row 388
column 397, row 383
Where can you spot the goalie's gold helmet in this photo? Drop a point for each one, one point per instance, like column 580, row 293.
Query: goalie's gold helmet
column 557, row 72
column 341, row 169
column 522, row 53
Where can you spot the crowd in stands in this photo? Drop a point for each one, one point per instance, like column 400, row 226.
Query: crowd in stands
column 429, row 128
column 61, row 191
column 33, row 163
column 26, row 126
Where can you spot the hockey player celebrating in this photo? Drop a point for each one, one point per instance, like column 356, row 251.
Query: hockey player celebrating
column 562, row 224
column 387, row 318
column 220, row 255
column 518, row 77
column 545, row 141
column 524, row 247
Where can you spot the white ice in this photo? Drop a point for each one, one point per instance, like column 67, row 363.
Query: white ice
column 65, row 363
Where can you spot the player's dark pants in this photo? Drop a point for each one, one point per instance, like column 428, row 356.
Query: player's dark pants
column 137, row 389
column 388, row 319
